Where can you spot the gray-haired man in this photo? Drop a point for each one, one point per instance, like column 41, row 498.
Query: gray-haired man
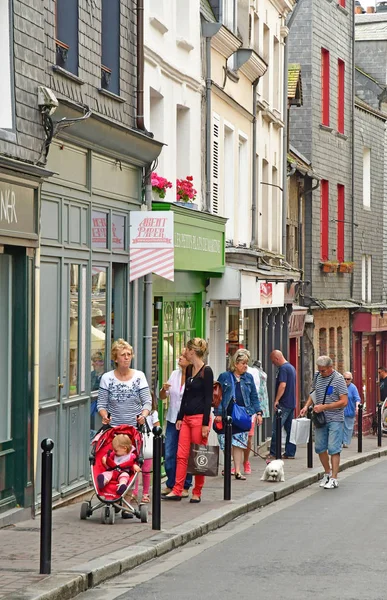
column 331, row 398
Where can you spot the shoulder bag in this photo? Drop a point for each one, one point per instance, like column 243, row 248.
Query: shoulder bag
column 319, row 419
column 240, row 418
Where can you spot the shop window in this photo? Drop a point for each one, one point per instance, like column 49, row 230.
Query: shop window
column 74, row 331
column 322, row 341
column 99, row 230
column 118, row 232
column 6, row 100
column 340, row 350
column 66, row 15
column 332, row 344
column 5, row 345
column 179, row 326
column 110, row 42
column 98, row 324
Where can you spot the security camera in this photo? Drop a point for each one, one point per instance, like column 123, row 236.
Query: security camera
column 47, row 100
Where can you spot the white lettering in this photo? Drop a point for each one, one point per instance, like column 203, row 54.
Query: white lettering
column 196, row 242
column 8, row 207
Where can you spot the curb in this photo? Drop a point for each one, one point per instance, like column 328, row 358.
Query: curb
column 67, row 585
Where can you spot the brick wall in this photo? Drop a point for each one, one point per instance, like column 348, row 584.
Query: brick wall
column 333, row 341
column 34, row 56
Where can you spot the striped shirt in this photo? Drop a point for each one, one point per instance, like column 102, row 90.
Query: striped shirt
column 336, row 387
column 124, row 400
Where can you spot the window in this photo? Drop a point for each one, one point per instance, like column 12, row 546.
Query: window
column 243, row 191
column 367, row 177
column 340, row 95
column 276, row 75
column 67, row 35
column 275, row 212
column 183, row 127
column 110, row 41
column 266, row 55
column 324, row 234
column 325, row 87
column 229, row 181
column 265, row 205
column 340, row 222
column 156, row 114
column 215, row 164
column 6, row 109
column 366, row 278
column 229, row 14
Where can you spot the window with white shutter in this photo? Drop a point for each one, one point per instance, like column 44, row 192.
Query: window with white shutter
column 215, row 164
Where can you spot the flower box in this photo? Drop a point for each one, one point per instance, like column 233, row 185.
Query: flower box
column 328, row 266
column 346, row 267
column 190, row 205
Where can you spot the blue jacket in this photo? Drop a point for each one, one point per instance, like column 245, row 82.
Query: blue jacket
column 248, row 389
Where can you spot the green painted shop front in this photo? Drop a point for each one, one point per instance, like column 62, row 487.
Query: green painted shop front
column 179, row 305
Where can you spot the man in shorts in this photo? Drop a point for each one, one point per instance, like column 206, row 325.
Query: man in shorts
column 331, row 397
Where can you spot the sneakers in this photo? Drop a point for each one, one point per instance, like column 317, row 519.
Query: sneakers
column 247, row 468
column 325, row 480
column 331, row 484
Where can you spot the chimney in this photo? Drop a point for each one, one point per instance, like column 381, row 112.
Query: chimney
column 370, row 9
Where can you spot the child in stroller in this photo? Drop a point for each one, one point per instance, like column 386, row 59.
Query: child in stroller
column 116, row 458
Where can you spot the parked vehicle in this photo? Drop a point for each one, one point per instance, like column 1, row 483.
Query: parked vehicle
column 381, row 7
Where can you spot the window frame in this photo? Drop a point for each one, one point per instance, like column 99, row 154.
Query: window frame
column 325, row 87
column 65, row 44
column 8, row 133
column 324, row 217
column 110, row 64
column 340, row 222
column 366, row 177
column 340, row 96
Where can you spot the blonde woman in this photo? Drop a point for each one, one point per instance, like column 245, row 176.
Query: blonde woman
column 193, row 420
column 238, row 386
column 123, row 393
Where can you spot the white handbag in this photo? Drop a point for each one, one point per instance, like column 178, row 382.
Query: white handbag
column 147, row 442
column 299, row 433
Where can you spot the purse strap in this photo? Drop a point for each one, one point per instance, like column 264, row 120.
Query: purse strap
column 233, row 386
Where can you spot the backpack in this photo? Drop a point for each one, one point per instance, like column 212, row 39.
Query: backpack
column 216, row 388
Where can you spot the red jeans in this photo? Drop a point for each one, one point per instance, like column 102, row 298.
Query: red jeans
column 190, row 433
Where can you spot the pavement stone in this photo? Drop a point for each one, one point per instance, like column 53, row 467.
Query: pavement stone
column 86, row 553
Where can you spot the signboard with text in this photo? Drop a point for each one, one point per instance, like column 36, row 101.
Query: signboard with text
column 151, row 244
column 17, row 210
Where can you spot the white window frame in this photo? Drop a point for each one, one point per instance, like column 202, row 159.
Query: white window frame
column 244, row 233
column 366, row 178
column 215, row 164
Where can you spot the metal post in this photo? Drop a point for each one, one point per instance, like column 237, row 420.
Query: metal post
column 360, row 428
column 156, row 485
column 310, row 442
column 227, row 458
column 46, row 507
column 379, row 424
column 278, row 431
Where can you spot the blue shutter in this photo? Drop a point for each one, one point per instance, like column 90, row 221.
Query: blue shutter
column 67, row 34
column 111, row 45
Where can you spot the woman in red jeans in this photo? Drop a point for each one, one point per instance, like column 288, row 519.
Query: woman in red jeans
column 193, row 419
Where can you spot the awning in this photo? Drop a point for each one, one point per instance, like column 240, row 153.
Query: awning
column 297, row 321
column 334, row 304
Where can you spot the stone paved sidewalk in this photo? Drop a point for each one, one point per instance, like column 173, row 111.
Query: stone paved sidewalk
column 77, row 542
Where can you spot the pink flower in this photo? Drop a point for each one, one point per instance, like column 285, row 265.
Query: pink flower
column 160, row 184
column 185, row 190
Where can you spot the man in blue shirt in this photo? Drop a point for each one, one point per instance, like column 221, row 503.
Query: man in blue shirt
column 350, row 410
column 285, row 399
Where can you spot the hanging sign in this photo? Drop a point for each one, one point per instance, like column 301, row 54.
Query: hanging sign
column 151, row 244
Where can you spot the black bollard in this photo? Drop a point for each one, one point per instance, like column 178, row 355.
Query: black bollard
column 360, row 428
column 46, row 507
column 379, row 424
column 156, row 485
column 278, row 431
column 310, row 442
column 227, row 458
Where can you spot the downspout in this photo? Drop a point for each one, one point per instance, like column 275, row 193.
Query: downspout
column 353, row 165
column 208, row 31
column 148, row 287
column 36, row 362
column 254, row 224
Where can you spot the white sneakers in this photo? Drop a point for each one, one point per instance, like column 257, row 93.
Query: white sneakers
column 324, row 480
column 331, row 484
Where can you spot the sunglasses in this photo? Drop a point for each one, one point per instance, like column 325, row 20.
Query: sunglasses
column 348, row 378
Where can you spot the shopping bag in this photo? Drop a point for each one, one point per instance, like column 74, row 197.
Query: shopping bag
column 203, row 460
column 299, row 433
column 147, row 442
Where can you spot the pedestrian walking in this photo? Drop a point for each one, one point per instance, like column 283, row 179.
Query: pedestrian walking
column 383, row 383
column 174, row 390
column 285, row 399
column 193, row 420
column 238, row 387
column 331, row 398
column 350, row 410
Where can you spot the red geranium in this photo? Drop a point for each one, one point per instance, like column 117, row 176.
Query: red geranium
column 185, row 190
column 160, row 184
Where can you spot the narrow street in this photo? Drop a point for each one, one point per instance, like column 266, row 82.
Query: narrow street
column 325, row 544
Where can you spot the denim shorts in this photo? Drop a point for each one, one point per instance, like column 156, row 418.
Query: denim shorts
column 329, row 437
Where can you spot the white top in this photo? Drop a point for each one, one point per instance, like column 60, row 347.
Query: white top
column 255, row 374
column 124, row 399
column 175, row 394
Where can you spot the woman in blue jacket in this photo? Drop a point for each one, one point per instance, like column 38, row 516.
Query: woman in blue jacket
column 238, row 386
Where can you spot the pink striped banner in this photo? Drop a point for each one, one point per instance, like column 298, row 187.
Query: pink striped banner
column 159, row 261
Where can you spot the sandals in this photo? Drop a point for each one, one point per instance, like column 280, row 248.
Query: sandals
column 145, row 499
column 240, row 477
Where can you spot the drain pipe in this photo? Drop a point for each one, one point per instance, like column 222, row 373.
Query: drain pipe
column 254, row 221
column 353, row 163
column 208, row 31
column 140, row 66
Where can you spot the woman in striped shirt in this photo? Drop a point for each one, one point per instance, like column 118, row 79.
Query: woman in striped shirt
column 123, row 393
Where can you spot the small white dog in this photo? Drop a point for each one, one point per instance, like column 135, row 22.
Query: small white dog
column 274, row 471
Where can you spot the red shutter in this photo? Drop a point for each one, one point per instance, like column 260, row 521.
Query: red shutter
column 324, row 234
column 325, row 87
column 340, row 222
column 342, row 3
column 340, row 95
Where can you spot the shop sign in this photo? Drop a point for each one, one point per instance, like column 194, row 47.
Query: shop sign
column 99, row 228
column 256, row 293
column 198, row 248
column 151, row 244
column 297, row 323
column 17, row 210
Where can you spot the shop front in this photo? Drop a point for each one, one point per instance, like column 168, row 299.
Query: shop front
column 369, row 347
column 180, row 305
column 19, row 196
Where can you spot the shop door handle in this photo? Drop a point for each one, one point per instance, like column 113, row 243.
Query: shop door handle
column 60, row 385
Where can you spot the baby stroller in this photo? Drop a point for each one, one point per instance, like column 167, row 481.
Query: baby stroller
column 109, row 499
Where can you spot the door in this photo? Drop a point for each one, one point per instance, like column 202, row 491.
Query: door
column 64, row 391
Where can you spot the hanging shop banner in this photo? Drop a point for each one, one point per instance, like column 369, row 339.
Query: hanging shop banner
column 151, row 244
